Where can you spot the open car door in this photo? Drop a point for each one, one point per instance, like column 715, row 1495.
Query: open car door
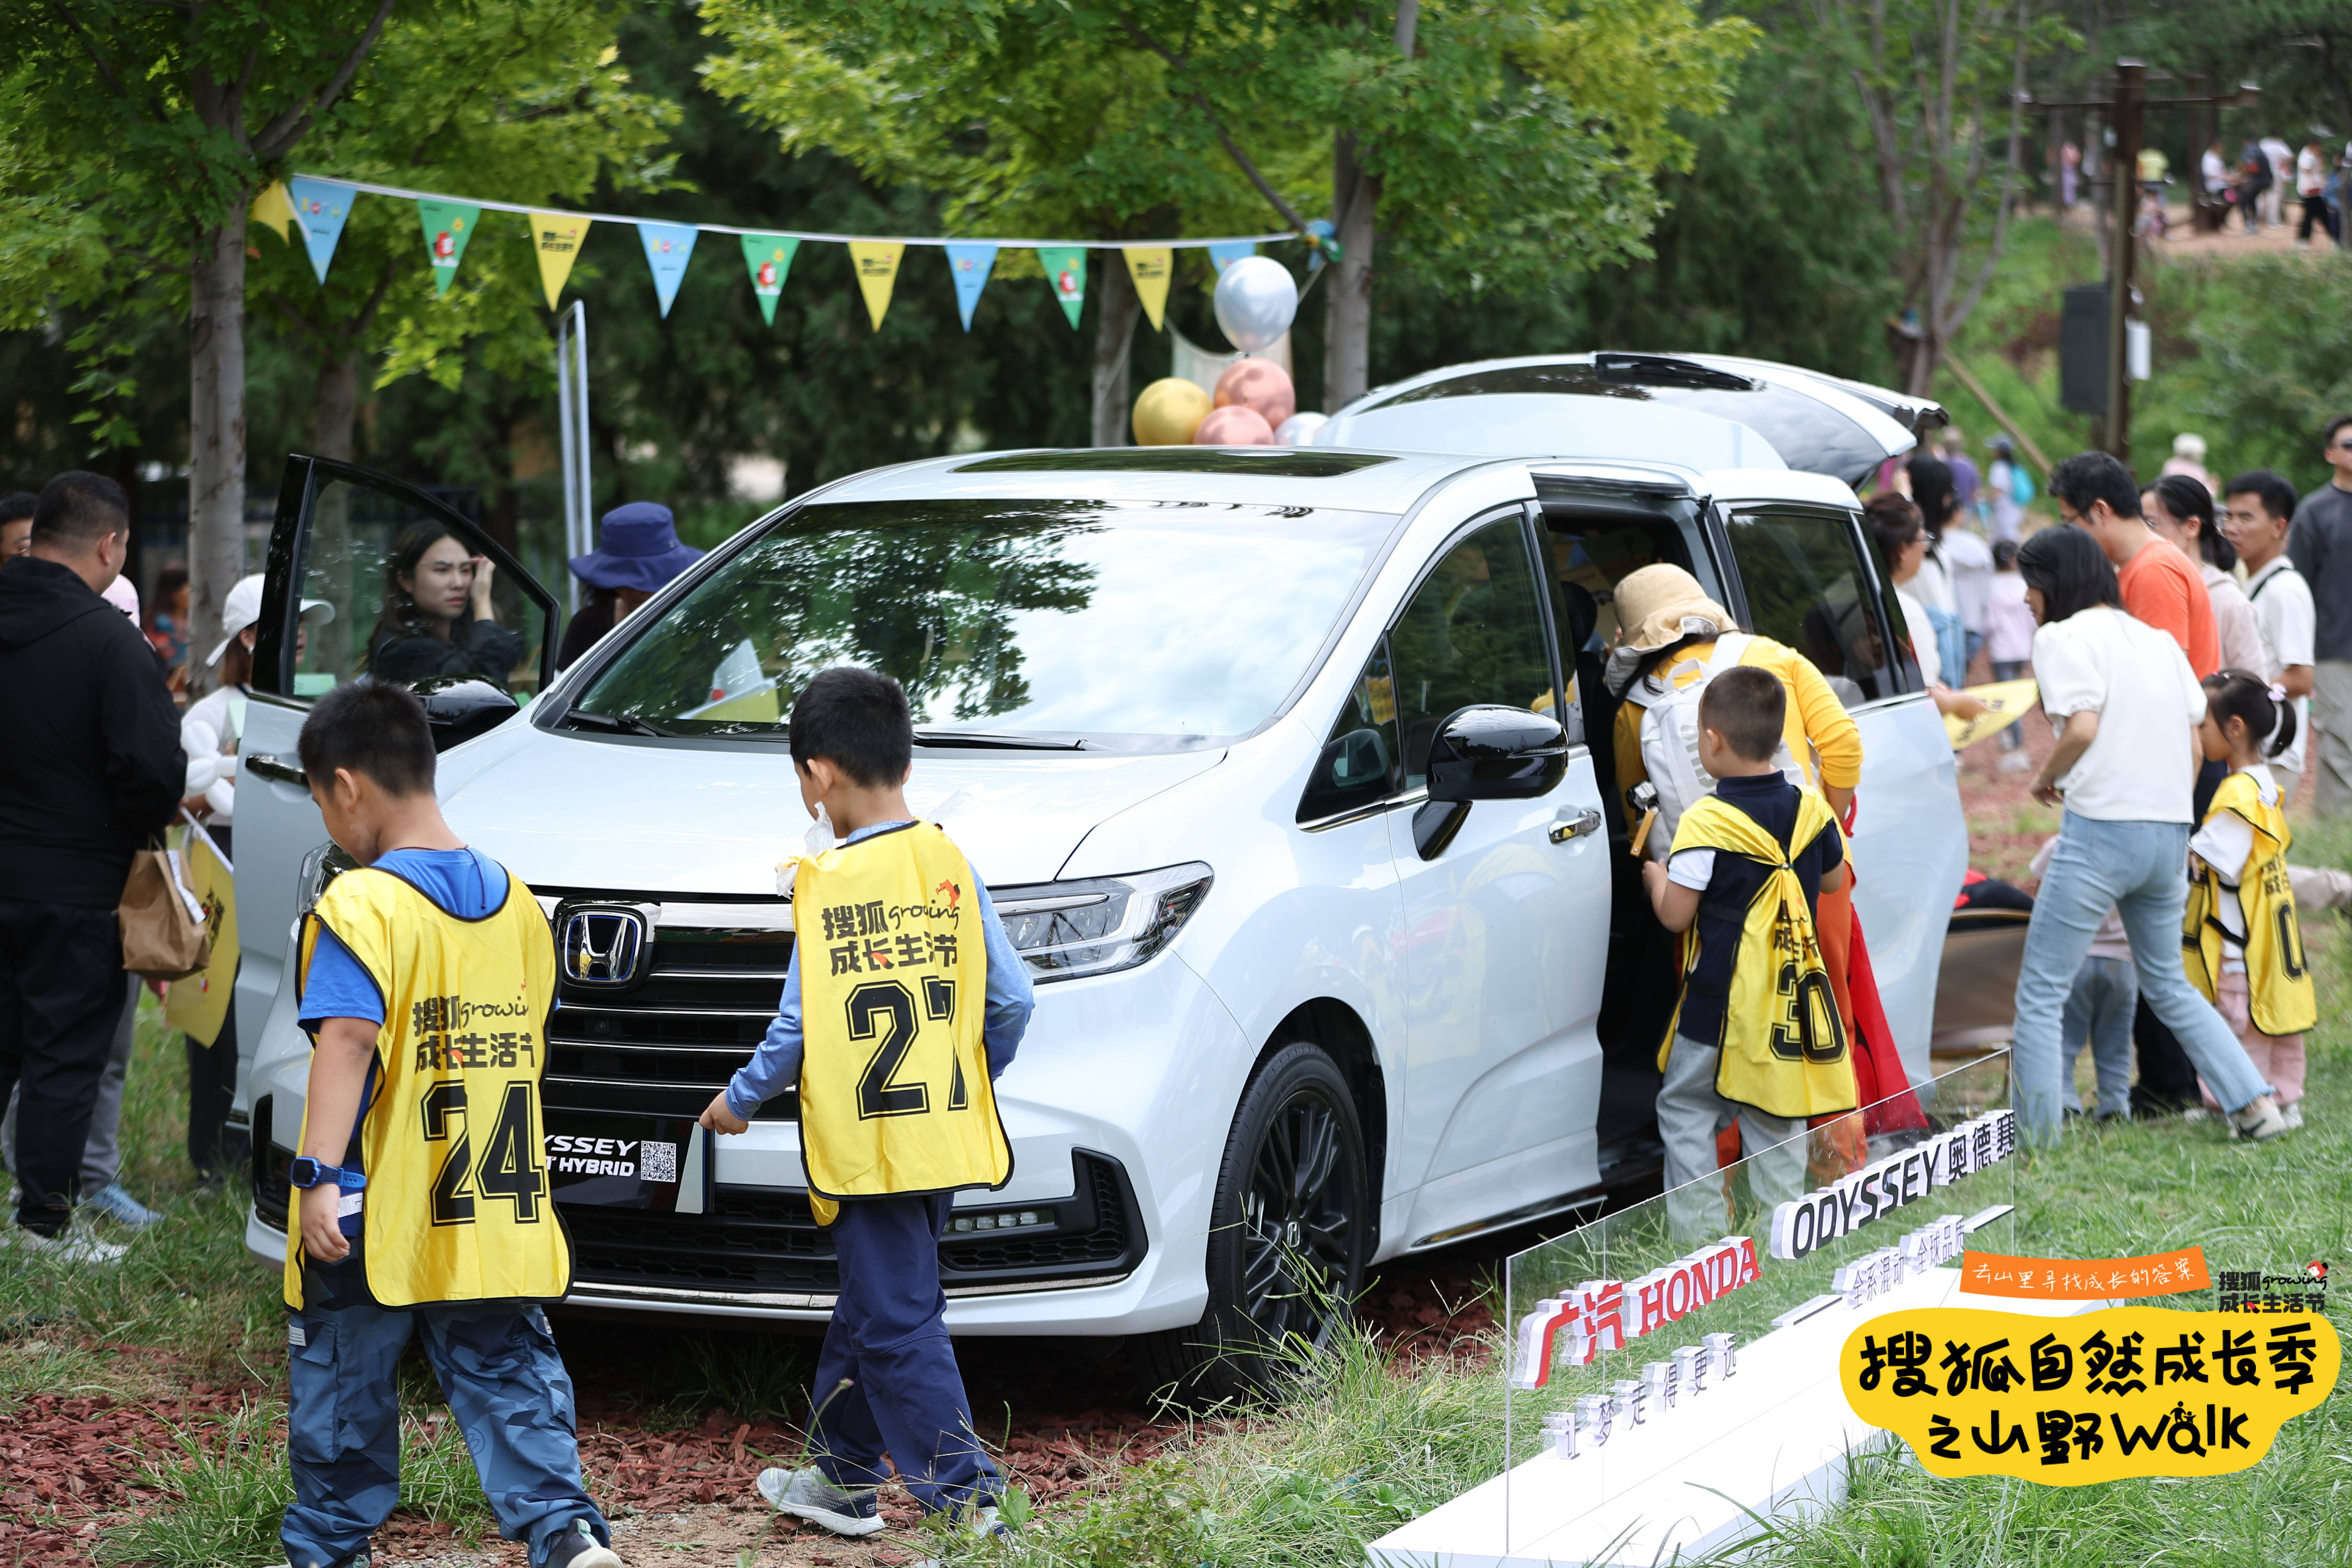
column 361, row 567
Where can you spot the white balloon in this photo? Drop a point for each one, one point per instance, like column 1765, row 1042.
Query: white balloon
column 1256, row 298
column 1298, row 430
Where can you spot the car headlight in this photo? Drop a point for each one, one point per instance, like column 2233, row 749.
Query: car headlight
column 1069, row 929
column 319, row 867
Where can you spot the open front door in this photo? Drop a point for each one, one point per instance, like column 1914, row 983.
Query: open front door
column 367, row 576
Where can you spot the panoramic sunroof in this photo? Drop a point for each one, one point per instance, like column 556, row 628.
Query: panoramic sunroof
column 1281, row 462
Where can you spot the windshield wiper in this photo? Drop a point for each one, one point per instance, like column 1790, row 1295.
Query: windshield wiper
column 994, row 740
column 614, row 724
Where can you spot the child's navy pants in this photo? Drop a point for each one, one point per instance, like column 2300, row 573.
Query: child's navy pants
column 506, row 1385
column 888, row 1343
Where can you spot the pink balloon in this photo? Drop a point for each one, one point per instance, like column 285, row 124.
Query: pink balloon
column 1233, row 425
column 1258, row 383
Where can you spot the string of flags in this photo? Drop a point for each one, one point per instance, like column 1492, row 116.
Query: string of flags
column 320, row 208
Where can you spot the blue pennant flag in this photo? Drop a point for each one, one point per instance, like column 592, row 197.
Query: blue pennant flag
column 667, row 248
column 322, row 207
column 1233, row 250
column 969, row 265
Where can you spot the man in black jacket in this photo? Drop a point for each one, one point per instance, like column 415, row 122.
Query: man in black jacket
column 89, row 767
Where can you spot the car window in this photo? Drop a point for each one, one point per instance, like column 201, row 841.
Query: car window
column 1474, row 632
column 1806, row 587
column 1359, row 762
column 389, row 590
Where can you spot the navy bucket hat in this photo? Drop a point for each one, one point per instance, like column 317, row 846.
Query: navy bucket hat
column 636, row 548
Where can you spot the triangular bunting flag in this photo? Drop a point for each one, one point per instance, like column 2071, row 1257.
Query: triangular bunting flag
column 969, row 265
column 877, row 262
column 768, row 258
column 274, row 210
column 556, row 237
column 322, row 207
column 1233, row 250
column 1065, row 270
column 448, row 226
column 1149, row 266
column 668, row 247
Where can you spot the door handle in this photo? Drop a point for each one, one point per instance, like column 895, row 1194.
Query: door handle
column 1577, row 827
column 268, row 765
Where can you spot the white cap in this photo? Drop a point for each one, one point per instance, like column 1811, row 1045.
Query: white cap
column 244, row 608
column 123, row 594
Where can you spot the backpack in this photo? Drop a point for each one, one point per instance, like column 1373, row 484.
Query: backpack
column 1670, row 735
column 2020, row 483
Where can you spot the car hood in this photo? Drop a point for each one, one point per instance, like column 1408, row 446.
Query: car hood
column 675, row 820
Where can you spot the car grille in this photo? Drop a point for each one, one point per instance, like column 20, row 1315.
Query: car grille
column 665, row 1045
column 765, row 1239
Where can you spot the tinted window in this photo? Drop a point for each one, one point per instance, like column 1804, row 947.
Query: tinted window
column 1474, row 632
column 391, row 590
column 1135, row 626
column 1359, row 765
column 1281, row 462
column 1806, row 588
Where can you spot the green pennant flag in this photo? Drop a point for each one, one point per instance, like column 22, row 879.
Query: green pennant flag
column 1065, row 270
column 447, row 227
column 768, row 257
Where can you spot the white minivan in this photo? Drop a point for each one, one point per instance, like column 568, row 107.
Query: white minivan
column 1289, row 773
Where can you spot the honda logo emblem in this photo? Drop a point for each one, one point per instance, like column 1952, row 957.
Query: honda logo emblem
column 603, row 947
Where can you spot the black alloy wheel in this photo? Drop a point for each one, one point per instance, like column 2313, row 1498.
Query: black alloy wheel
column 1290, row 1227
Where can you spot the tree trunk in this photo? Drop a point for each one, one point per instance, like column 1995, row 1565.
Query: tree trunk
column 1348, row 302
column 215, row 433
column 1114, row 345
column 335, row 408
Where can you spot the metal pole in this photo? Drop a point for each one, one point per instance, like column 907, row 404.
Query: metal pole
column 581, row 438
column 2131, row 91
column 564, row 432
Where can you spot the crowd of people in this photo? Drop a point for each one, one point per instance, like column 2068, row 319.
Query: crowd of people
column 2257, row 186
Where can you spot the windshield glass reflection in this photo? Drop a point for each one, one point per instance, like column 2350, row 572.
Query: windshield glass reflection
column 1141, row 626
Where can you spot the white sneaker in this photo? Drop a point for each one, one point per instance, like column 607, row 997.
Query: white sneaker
column 74, row 1247
column 2291, row 1114
column 579, row 1548
column 2261, row 1120
column 810, row 1495
column 2017, row 762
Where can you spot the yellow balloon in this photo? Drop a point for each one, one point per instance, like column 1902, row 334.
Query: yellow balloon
column 1168, row 413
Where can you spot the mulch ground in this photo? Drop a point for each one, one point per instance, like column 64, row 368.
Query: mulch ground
column 66, row 1465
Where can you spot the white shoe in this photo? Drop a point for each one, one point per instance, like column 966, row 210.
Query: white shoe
column 2016, row 762
column 74, row 1247
column 579, row 1548
column 2291, row 1114
column 810, row 1495
column 2261, row 1120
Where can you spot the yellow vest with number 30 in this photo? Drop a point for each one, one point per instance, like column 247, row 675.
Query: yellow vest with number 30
column 456, row 1204
column 1784, row 1048
column 2278, row 991
column 895, row 1096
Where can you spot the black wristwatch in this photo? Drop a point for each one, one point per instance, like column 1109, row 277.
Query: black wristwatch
column 305, row 1172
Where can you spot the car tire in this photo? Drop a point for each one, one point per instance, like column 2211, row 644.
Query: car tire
column 1290, row 1227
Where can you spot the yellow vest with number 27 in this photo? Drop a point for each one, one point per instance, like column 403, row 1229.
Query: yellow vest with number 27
column 1784, row 1048
column 2278, row 991
column 457, row 1199
column 895, row 1096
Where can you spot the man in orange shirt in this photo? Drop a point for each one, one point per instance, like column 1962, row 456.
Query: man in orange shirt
column 2160, row 585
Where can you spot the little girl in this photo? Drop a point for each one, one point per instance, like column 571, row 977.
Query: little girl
column 2239, row 939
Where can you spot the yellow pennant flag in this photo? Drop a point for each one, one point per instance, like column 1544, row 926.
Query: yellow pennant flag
column 556, row 237
column 876, row 261
column 271, row 209
column 1149, row 266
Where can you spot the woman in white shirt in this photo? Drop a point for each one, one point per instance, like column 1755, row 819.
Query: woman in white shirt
column 2181, row 508
column 2127, row 707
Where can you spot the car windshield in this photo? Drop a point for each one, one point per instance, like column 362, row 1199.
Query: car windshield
column 1122, row 626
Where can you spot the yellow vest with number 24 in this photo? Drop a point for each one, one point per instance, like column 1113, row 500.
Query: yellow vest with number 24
column 894, row 1094
column 457, row 1199
column 1783, row 1047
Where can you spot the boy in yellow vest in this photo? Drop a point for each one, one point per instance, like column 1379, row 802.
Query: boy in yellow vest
column 903, row 1002
column 1756, row 1033
column 427, row 976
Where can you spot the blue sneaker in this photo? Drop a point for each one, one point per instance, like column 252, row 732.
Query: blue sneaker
column 121, row 1207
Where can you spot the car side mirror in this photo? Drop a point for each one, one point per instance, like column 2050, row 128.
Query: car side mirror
column 458, row 708
column 1491, row 753
column 1352, row 770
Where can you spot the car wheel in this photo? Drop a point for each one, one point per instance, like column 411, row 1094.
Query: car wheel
column 1290, row 1227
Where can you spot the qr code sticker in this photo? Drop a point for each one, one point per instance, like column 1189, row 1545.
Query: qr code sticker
column 658, row 1161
